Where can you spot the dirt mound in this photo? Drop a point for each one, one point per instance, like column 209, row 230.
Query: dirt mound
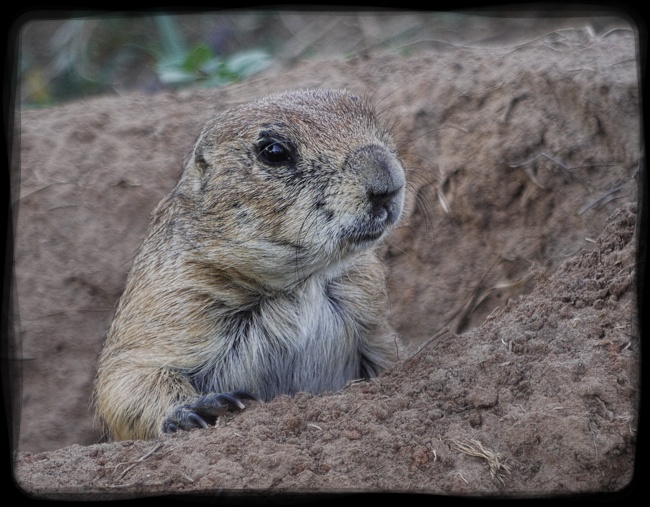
column 515, row 157
column 541, row 398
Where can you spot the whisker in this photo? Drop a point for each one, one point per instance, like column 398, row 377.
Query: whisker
column 300, row 264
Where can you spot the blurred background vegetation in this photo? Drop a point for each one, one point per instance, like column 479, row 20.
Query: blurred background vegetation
column 75, row 57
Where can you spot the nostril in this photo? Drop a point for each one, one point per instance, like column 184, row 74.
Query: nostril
column 381, row 197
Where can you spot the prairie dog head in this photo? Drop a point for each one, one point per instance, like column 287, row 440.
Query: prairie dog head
column 290, row 186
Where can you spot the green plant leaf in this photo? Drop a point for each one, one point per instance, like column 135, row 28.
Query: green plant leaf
column 174, row 75
column 197, row 58
column 171, row 37
column 246, row 63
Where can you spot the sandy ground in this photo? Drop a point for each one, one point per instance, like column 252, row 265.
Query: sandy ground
column 512, row 274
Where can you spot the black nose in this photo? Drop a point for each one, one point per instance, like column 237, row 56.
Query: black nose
column 382, row 179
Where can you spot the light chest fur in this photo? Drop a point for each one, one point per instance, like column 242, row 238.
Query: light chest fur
column 308, row 341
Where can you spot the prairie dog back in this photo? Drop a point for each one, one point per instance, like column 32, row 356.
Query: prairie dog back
column 257, row 276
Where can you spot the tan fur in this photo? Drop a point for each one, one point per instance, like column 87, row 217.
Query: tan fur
column 255, row 276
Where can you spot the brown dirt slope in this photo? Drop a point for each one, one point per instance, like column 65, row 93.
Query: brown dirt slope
column 541, row 398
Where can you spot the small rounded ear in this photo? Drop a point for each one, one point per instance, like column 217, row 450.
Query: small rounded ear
column 199, row 160
column 196, row 168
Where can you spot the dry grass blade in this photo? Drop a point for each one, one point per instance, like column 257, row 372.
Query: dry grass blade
column 474, row 448
column 141, row 459
column 603, row 199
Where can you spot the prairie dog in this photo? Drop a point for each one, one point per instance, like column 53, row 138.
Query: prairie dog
column 257, row 276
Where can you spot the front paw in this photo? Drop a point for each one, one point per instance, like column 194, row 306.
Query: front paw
column 203, row 410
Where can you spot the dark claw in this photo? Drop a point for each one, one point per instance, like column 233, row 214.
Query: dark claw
column 217, row 404
column 201, row 411
column 197, row 420
column 244, row 395
column 169, row 427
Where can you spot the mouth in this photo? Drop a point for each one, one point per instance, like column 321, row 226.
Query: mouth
column 369, row 236
column 368, row 230
column 365, row 234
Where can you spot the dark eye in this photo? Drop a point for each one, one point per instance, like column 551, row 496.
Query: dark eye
column 275, row 152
